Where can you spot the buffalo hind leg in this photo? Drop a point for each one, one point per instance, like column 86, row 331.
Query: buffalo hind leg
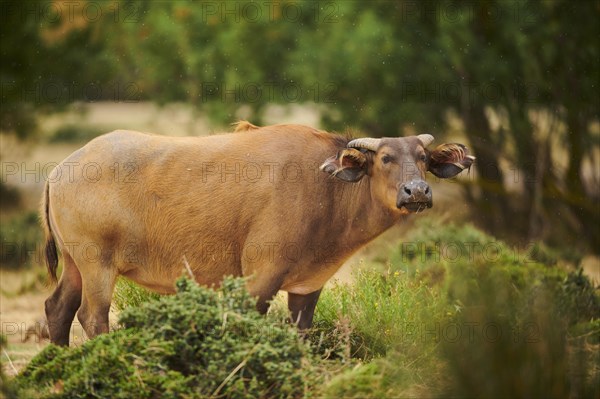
column 95, row 304
column 302, row 308
column 62, row 305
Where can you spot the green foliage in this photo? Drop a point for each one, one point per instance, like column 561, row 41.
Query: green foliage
column 104, row 367
column 460, row 258
column 492, row 336
column 198, row 343
column 383, row 320
column 129, row 294
column 81, row 68
column 483, row 320
column 577, row 299
column 19, row 237
column 516, row 330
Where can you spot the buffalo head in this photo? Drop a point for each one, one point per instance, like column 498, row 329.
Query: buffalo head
column 396, row 168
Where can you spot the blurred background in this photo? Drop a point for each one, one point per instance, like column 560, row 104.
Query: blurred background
column 516, row 81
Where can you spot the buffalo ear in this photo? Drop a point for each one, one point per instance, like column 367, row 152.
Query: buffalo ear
column 348, row 165
column 448, row 160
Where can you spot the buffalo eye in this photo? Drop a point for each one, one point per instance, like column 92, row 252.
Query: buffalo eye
column 386, row 159
column 423, row 157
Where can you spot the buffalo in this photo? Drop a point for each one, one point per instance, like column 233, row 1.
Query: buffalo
column 283, row 206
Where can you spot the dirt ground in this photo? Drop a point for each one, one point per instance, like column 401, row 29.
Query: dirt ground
column 17, row 313
column 22, row 299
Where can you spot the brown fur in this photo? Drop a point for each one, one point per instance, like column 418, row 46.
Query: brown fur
column 253, row 205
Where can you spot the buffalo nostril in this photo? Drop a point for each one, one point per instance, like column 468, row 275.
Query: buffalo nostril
column 407, row 190
column 427, row 190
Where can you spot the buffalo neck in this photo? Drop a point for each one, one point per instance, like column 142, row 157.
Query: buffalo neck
column 364, row 217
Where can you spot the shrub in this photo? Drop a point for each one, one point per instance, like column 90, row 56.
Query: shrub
column 198, row 343
column 514, row 308
column 513, row 341
column 577, row 299
column 432, row 246
column 486, row 320
column 504, row 332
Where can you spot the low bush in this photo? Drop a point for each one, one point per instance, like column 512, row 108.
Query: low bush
column 198, row 343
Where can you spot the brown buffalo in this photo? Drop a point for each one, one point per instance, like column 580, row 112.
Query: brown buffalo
column 283, row 205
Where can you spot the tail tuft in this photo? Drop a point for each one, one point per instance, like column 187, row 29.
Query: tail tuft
column 50, row 250
column 51, row 258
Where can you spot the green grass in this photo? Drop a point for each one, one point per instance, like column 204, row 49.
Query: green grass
column 129, row 294
column 379, row 312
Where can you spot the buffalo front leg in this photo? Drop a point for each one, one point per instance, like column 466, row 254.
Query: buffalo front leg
column 264, row 291
column 263, row 284
column 62, row 305
column 302, row 308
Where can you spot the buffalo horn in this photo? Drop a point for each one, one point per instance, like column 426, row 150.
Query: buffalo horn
column 367, row 143
column 426, row 139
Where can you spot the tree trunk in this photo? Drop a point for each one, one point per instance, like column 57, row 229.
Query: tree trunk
column 528, row 165
column 581, row 205
column 492, row 201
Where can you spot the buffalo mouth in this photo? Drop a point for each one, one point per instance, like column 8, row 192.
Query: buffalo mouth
column 416, row 207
